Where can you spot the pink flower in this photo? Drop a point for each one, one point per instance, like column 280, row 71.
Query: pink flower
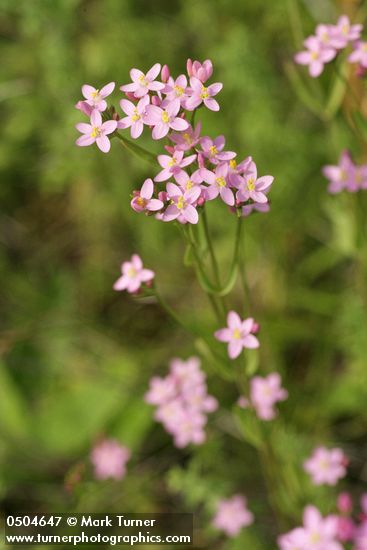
column 135, row 116
column 183, row 204
column 133, row 275
column 202, row 94
column 326, row 466
column 143, row 83
column 315, row 56
column 359, row 55
column 165, row 117
column 254, row 188
column 109, row 459
column 182, row 401
column 202, row 71
column 344, row 32
column 360, row 537
column 232, row 515
column 173, row 165
column 345, row 503
column 237, row 334
column 317, row 533
column 95, row 98
column 265, row 393
column 187, row 182
column 177, row 89
column 143, row 201
column 255, row 207
column 213, row 149
column 236, row 169
column 84, row 107
column 96, row 132
column 188, row 139
column 326, row 36
column 218, row 184
column 345, row 529
column 342, row 176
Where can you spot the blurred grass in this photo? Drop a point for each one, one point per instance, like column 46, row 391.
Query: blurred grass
column 77, row 356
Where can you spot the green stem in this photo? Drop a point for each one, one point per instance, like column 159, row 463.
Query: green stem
column 171, row 312
column 210, row 248
column 136, row 149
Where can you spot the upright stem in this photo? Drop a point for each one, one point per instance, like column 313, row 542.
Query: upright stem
column 210, row 248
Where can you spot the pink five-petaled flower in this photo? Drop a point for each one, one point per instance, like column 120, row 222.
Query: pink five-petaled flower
column 232, row 514
column 252, row 187
column 202, row 71
column 135, row 116
column 143, row 83
column 237, row 334
column 188, row 139
column 317, row 533
column 218, row 184
column 359, row 55
column 172, row 165
column 133, row 275
column 182, row 207
column 96, row 132
column 202, row 94
column 176, row 89
column 109, row 459
column 96, row 98
column 315, row 56
column 213, row 149
column 344, row 32
column 326, row 466
column 142, row 200
column 165, row 117
column 342, row 176
column 265, row 393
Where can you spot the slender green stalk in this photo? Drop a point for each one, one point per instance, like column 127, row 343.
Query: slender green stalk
column 210, row 248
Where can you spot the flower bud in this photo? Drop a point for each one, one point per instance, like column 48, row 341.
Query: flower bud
column 344, row 503
column 165, row 74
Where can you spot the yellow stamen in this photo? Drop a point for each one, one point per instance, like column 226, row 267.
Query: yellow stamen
column 187, row 137
column 136, row 115
column 180, row 203
column 165, row 117
column 189, row 184
column 213, row 151
column 314, row 55
column 204, row 93
column 172, row 162
column 131, row 272
column 96, row 132
column 179, row 90
column 95, row 95
column 141, row 202
column 143, row 81
column 221, row 182
column 251, row 184
column 233, row 164
column 236, row 334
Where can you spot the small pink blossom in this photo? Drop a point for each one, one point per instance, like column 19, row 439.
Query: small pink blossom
column 173, row 165
column 326, row 466
column 109, row 459
column 344, row 32
column 238, row 334
column 202, row 71
column 165, row 73
column 135, row 116
column 254, row 188
column 187, row 182
column 96, row 132
column 232, row 515
column 236, row 169
column 96, row 98
column 142, row 83
column 165, row 117
column 213, row 149
column 315, row 56
column 247, row 209
column 188, row 139
column 143, row 200
column 345, row 503
column 218, row 184
column 346, row 529
column 133, row 275
column 265, row 392
column 84, row 107
column 341, row 176
column 177, row 89
column 183, row 204
column 202, row 94
column 359, row 55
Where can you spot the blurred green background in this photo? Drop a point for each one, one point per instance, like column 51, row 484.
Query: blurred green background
column 76, row 357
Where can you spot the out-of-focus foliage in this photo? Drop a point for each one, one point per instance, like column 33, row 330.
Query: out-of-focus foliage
column 77, row 357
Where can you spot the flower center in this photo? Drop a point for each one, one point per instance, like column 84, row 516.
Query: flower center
column 96, row 132
column 325, row 37
column 136, row 115
column 204, row 93
column 179, row 90
column 165, row 117
column 213, row 151
column 96, row 97
column 221, row 182
column 180, row 203
column 189, row 184
column 233, row 164
column 345, row 28
column 143, row 81
column 364, row 47
column 314, row 55
column 187, row 138
column 172, row 162
column 315, row 537
column 131, row 272
column 251, row 184
column 236, row 334
column 141, row 202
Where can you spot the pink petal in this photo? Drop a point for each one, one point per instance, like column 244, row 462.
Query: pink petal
column 107, row 90
column 153, row 115
column 153, row 72
column 85, row 140
column 84, row 128
column 127, row 106
column 171, row 213
column 160, row 131
column 234, row 320
column 154, row 205
column 190, row 214
column 227, row 195
column 196, row 84
column 316, row 68
column 136, row 262
column 212, row 104
column 164, row 160
column 109, row 126
column 223, row 335
column 234, row 348
column 303, row 58
column 87, row 91
column 215, row 88
column 137, row 129
column 258, row 197
column 103, row 144
column 179, row 124
column 146, row 275
column 96, row 118
column 250, row 341
column 121, row 283
column 173, row 107
column 193, row 102
column 156, row 86
column 147, row 189
column 129, row 87
column 135, row 74
column 264, row 182
column 173, row 190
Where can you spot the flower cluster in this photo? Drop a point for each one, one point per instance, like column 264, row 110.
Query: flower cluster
column 326, row 466
column 265, row 392
column 182, row 401
column 317, row 533
column 328, row 41
column 134, row 275
column 109, row 459
column 197, row 168
column 232, row 514
column 352, row 527
column 346, row 176
column 239, row 334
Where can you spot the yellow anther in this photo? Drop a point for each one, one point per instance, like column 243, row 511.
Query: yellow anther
column 165, row 117
column 314, row 55
column 172, row 162
column 136, row 115
column 213, row 151
column 221, row 182
column 143, row 81
column 131, row 272
column 141, row 202
column 204, row 93
column 189, row 184
column 96, row 132
column 180, row 203
column 251, row 184
column 187, row 137
column 179, row 90
column 236, row 334
column 233, row 164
